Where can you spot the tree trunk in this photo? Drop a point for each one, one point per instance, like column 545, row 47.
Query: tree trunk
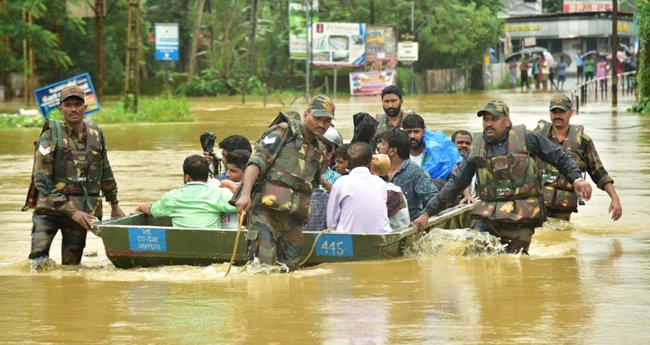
column 196, row 33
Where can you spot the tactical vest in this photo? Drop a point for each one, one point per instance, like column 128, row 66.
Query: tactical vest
column 77, row 173
column 290, row 180
column 508, row 186
column 558, row 191
column 382, row 125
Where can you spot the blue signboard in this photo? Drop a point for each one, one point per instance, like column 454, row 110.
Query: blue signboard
column 147, row 239
column 334, row 245
column 167, row 41
column 47, row 97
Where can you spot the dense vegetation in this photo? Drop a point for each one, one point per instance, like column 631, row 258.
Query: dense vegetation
column 239, row 44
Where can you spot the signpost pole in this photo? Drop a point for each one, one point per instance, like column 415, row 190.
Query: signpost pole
column 308, row 55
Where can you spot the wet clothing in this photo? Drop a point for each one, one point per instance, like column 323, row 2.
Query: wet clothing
column 357, row 203
column 416, row 186
column 195, row 205
column 398, row 211
column 69, row 174
column 318, row 217
column 535, row 146
column 290, row 169
column 559, row 197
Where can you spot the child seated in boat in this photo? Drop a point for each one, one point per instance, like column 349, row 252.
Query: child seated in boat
column 236, row 162
column 195, row 205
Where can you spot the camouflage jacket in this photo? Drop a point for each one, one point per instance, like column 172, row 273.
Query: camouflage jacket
column 290, row 168
column 536, row 145
column 582, row 149
column 558, row 192
column 70, row 172
column 508, row 185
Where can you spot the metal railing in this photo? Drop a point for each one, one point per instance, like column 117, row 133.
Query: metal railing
column 600, row 88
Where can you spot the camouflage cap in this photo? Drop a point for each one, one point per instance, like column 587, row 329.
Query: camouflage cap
column 321, row 106
column 72, row 91
column 496, row 108
column 561, row 101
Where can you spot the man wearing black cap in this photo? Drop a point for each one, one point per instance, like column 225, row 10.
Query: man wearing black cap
column 279, row 180
column 71, row 171
column 503, row 160
column 559, row 197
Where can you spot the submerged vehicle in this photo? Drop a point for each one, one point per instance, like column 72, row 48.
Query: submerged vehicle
column 143, row 241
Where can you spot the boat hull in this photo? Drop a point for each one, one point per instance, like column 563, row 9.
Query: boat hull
column 142, row 241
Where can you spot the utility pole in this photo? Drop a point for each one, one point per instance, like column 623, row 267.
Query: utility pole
column 308, row 55
column 99, row 46
column 131, row 65
column 28, row 57
column 412, row 33
column 614, row 52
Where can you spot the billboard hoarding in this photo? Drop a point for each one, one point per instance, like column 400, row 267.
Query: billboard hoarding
column 47, row 97
column 370, row 83
column 338, row 44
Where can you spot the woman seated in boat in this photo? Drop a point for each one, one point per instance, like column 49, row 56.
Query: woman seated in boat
column 195, row 205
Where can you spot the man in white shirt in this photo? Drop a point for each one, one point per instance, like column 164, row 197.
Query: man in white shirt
column 357, row 202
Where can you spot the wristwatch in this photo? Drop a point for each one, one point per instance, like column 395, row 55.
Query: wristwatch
column 578, row 179
column 114, row 202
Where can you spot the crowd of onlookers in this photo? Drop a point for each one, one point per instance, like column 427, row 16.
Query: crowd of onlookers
column 551, row 75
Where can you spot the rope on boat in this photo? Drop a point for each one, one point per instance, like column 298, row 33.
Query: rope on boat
column 234, row 249
column 313, row 246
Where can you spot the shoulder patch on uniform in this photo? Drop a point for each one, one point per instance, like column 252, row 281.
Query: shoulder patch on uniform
column 44, row 150
column 268, row 140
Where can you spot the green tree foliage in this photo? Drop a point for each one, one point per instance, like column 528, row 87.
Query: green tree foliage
column 42, row 35
column 451, row 33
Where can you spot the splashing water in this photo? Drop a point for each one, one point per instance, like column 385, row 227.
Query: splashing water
column 255, row 267
column 42, row 264
column 458, row 242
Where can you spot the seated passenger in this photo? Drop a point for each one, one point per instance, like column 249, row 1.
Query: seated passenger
column 236, row 162
column 341, row 160
column 433, row 151
column 357, row 202
column 396, row 205
column 411, row 178
column 195, row 205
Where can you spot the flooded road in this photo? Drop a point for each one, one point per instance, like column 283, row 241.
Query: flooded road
column 584, row 283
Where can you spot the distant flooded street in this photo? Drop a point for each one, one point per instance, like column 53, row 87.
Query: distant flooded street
column 584, row 283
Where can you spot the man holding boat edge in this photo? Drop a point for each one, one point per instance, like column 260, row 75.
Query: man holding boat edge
column 503, row 160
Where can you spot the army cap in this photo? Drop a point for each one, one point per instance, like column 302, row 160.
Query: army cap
column 321, row 106
column 560, row 101
column 72, row 91
column 496, row 108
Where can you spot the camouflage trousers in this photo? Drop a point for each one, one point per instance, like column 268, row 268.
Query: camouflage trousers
column 274, row 237
column 516, row 237
column 558, row 214
column 45, row 227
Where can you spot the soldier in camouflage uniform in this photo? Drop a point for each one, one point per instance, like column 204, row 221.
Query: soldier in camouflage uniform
column 559, row 197
column 279, row 181
column 70, row 170
column 502, row 158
